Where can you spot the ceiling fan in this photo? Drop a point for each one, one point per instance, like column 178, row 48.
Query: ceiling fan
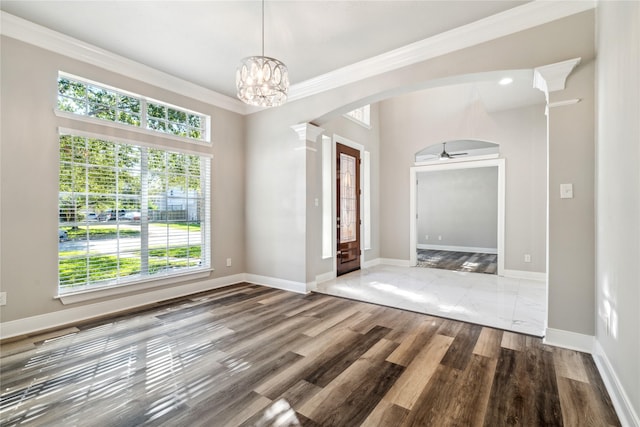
column 446, row 156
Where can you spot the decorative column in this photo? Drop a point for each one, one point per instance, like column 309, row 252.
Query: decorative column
column 570, row 201
column 308, row 134
column 310, row 181
column 552, row 78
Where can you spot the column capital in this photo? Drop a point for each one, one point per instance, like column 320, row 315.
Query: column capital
column 307, row 131
column 552, row 77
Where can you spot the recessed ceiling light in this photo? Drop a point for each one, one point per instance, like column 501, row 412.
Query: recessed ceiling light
column 506, row 81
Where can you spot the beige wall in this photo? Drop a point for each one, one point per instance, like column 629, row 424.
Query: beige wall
column 29, row 168
column 571, row 221
column 412, row 122
column 277, row 243
column 272, row 186
column 618, row 195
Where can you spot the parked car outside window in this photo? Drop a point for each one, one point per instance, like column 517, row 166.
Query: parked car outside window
column 110, row 215
column 135, row 216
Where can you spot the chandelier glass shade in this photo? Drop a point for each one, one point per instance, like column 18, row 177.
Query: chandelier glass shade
column 262, row 81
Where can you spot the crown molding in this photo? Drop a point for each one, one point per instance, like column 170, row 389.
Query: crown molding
column 502, row 24
column 37, row 35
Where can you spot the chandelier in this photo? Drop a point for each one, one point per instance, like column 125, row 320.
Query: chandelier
column 262, row 81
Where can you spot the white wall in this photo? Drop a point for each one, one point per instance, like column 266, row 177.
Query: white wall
column 29, row 178
column 458, row 208
column 618, row 196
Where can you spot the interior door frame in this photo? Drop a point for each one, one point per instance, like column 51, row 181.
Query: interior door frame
column 336, row 139
column 453, row 165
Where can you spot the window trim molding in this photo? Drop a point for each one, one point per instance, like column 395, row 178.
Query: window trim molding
column 146, row 282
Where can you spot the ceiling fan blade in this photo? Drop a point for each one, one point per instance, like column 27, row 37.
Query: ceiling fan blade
column 457, row 154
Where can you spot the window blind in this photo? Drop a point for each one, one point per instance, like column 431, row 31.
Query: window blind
column 129, row 213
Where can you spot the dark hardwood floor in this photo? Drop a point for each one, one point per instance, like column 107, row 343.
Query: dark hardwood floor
column 458, row 261
column 254, row 356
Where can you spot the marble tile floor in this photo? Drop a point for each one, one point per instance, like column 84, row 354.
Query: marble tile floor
column 518, row 305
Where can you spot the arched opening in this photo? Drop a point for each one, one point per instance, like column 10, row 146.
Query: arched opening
column 472, row 122
column 458, row 149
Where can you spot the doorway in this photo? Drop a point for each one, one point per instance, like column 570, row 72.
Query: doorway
column 436, row 238
column 348, row 209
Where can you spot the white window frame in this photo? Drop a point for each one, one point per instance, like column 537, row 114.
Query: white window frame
column 114, row 287
column 361, row 115
column 143, row 127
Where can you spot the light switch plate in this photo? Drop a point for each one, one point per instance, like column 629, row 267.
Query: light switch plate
column 566, row 191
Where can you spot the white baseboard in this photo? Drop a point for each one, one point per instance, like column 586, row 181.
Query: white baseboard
column 329, row 275
column 570, row 340
column 395, row 262
column 67, row 316
column 371, row 263
column 530, row 275
column 272, row 282
column 589, row 344
column 621, row 401
column 472, row 249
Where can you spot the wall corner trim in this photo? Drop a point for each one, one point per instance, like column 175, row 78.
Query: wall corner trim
column 621, row 401
column 570, row 340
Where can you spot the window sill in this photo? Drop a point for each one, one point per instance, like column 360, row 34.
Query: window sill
column 117, row 125
column 124, row 288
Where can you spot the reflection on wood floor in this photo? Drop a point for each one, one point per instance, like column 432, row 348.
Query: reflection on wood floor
column 253, row 356
column 458, row 261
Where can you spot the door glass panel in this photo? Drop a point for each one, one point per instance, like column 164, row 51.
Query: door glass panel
column 347, row 198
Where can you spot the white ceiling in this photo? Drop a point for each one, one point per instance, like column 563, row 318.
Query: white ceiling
column 203, row 41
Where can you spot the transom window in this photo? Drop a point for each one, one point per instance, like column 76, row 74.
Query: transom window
column 89, row 99
column 361, row 115
column 166, row 119
column 129, row 213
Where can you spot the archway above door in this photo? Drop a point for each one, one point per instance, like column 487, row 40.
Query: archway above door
column 459, row 149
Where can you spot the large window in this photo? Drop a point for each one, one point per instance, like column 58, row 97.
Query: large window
column 89, row 99
column 129, row 213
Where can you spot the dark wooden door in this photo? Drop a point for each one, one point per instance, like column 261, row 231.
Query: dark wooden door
column 348, row 208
